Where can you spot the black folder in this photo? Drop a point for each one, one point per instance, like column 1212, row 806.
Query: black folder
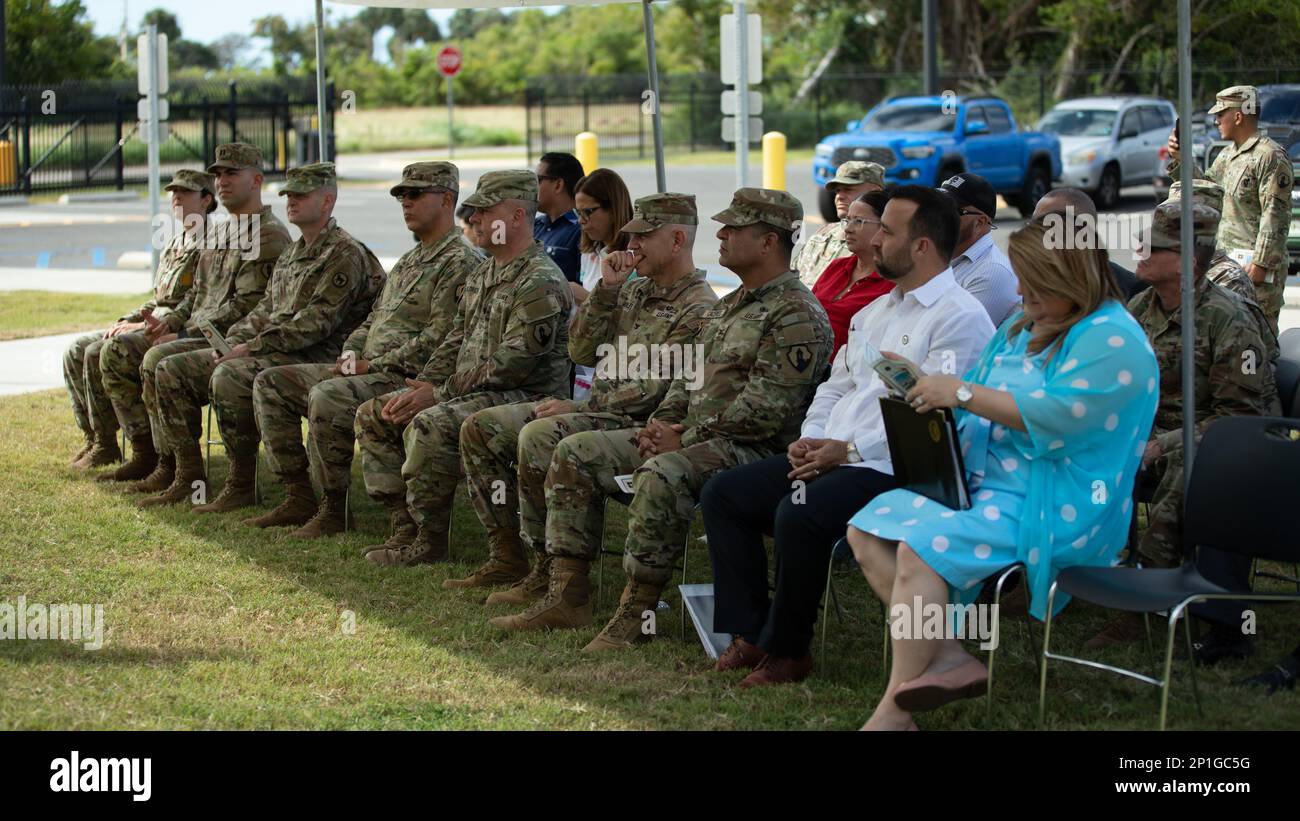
column 926, row 452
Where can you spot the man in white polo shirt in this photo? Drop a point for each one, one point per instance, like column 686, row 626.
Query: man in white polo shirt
column 980, row 266
column 805, row 497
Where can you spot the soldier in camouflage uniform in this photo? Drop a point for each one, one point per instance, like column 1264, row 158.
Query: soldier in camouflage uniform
column 851, row 180
column 1233, row 377
column 410, row 319
column 320, row 290
column 765, row 349
column 508, row 343
column 1255, row 174
column 234, row 264
column 507, row 450
column 101, row 369
column 1224, row 270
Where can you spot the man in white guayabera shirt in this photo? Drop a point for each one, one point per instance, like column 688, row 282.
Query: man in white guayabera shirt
column 805, row 497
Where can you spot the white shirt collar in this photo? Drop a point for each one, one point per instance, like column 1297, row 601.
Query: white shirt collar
column 930, row 292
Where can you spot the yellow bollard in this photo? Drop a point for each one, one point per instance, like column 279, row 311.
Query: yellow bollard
column 587, row 151
column 774, row 160
column 281, row 154
column 8, row 170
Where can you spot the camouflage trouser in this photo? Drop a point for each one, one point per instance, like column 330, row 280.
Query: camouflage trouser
column 1271, row 295
column 184, row 382
column 119, row 371
column 506, row 454
column 1162, row 543
column 282, row 396
column 193, row 427
column 90, row 407
column 422, row 461
column 666, row 489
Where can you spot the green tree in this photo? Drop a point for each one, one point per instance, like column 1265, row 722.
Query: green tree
column 47, row 43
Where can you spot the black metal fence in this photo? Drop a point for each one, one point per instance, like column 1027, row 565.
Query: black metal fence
column 86, row 135
column 618, row 108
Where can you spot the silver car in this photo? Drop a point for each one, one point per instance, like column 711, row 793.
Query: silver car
column 1108, row 143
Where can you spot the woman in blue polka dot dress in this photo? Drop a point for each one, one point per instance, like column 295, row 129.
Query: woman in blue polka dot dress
column 1059, row 409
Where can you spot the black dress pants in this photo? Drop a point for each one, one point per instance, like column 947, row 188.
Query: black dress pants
column 742, row 505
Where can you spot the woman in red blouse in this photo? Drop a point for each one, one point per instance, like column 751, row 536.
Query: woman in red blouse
column 850, row 283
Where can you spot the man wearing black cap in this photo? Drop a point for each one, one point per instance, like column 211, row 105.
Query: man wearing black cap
column 978, row 265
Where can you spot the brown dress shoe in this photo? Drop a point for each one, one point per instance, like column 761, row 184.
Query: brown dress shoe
column 778, row 670
column 739, row 655
column 1125, row 628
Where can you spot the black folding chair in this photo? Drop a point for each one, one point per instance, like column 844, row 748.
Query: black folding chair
column 1242, row 485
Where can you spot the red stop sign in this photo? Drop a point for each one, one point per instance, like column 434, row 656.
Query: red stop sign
column 449, row 61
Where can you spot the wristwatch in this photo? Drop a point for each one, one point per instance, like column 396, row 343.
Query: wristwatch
column 964, row 394
column 854, row 456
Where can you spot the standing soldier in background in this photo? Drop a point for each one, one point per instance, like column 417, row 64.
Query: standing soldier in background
column 234, row 266
column 1255, row 173
column 813, row 254
column 508, row 343
column 321, row 289
column 93, row 390
column 409, row 320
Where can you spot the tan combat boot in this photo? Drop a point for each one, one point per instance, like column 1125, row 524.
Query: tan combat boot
column 239, row 491
column 104, row 451
column 423, row 549
column 330, row 518
column 401, row 526
column 506, row 563
column 297, row 508
column 143, row 461
column 161, row 477
column 528, row 589
column 567, row 602
column 189, row 469
column 625, row 628
column 84, row 452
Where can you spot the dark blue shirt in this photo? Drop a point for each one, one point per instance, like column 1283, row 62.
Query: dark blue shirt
column 561, row 241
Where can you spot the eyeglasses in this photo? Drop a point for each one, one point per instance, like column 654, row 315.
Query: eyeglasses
column 973, row 214
column 546, row 177
column 858, row 222
column 585, row 213
column 410, row 194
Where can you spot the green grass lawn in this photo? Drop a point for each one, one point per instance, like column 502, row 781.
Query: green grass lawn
column 25, row 314
column 209, row 624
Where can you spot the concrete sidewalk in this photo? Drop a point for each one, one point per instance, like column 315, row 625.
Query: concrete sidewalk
column 76, row 280
column 28, row 365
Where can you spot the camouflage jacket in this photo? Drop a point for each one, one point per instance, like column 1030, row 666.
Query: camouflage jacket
column 511, row 331
column 1232, row 376
column 226, row 285
column 638, row 313
column 1256, row 179
column 411, row 316
column 1225, row 271
column 818, row 251
column 765, row 352
column 176, row 266
column 317, row 294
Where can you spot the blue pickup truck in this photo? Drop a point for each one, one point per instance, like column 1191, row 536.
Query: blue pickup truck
column 925, row 140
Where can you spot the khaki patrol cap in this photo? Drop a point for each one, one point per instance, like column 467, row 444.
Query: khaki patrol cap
column 657, row 210
column 1166, row 223
column 419, row 176
column 752, row 205
column 237, row 155
column 495, row 186
column 1206, row 192
column 857, row 172
column 189, row 180
column 307, row 178
column 1244, row 97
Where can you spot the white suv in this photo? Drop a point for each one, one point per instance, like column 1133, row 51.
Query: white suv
column 1109, row 142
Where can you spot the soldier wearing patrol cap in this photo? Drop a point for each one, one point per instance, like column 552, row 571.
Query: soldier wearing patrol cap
column 1255, row 173
column 507, row 344
column 321, row 288
column 510, row 447
column 1232, row 375
column 813, row 254
column 765, row 348
column 101, row 369
column 408, row 321
column 234, row 265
